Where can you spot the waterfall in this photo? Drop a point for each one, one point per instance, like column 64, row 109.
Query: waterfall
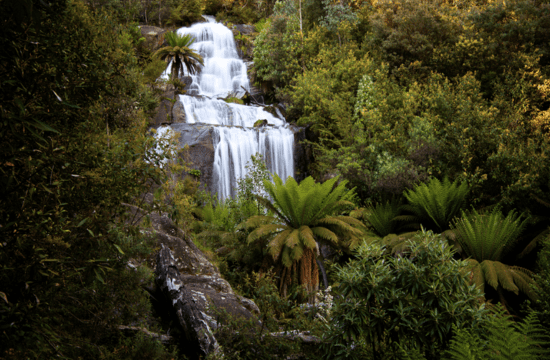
column 234, row 136
column 235, row 147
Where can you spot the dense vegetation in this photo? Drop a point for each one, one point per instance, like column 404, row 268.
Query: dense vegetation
column 427, row 210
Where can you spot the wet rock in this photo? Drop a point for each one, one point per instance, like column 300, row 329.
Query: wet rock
column 200, row 152
column 260, row 123
column 178, row 112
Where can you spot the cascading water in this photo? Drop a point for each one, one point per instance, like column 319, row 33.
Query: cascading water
column 234, row 137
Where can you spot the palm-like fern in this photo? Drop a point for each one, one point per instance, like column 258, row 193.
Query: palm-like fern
column 436, row 203
column 303, row 214
column 486, row 239
column 382, row 217
column 180, row 54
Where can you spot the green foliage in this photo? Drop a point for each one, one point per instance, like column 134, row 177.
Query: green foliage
column 382, row 217
column 435, row 204
column 234, row 100
column 500, row 338
column 542, row 288
column 252, row 184
column 185, row 12
column 304, row 215
column 180, row 54
column 487, row 240
column 195, row 172
column 154, row 70
column 324, row 94
column 412, row 301
column 75, row 149
column 277, row 51
column 489, row 236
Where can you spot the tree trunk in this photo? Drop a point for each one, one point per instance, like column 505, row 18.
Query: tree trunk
column 176, row 65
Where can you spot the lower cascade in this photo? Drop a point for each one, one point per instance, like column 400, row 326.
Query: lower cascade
column 231, row 126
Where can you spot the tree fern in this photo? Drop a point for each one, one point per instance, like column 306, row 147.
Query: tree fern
column 436, row 203
column 486, row 240
column 382, row 217
column 488, row 236
column 179, row 52
column 304, row 214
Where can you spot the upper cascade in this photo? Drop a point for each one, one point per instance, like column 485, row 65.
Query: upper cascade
column 223, row 71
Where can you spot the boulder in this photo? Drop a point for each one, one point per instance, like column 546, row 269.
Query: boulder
column 191, row 283
column 260, row 123
column 154, row 36
column 244, row 29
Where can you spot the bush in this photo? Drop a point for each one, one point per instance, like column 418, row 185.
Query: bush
column 385, row 303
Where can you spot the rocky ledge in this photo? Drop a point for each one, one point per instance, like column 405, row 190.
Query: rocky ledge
column 192, row 285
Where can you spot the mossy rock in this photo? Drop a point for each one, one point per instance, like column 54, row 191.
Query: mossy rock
column 260, row 123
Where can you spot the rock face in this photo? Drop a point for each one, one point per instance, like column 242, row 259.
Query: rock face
column 193, row 286
column 178, row 113
column 154, row 36
column 163, row 113
column 200, row 153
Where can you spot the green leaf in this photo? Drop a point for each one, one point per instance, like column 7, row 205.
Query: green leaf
column 119, row 249
column 98, row 276
column 42, row 126
column 82, row 222
column 91, row 233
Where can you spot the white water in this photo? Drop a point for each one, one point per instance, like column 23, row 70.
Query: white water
column 225, row 73
column 235, row 147
column 204, row 110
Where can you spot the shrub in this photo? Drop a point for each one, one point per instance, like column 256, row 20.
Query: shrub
column 409, row 301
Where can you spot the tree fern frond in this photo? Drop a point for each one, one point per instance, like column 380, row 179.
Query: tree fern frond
column 264, row 231
column 505, row 278
column 307, row 237
column 297, row 253
column 293, row 239
column 524, row 279
column 382, row 217
column 437, row 202
column 488, row 236
column 269, row 205
column 490, row 273
column 277, row 243
column 325, row 234
column 286, row 258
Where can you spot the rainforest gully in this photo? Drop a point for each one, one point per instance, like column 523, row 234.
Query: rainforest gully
column 292, row 179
